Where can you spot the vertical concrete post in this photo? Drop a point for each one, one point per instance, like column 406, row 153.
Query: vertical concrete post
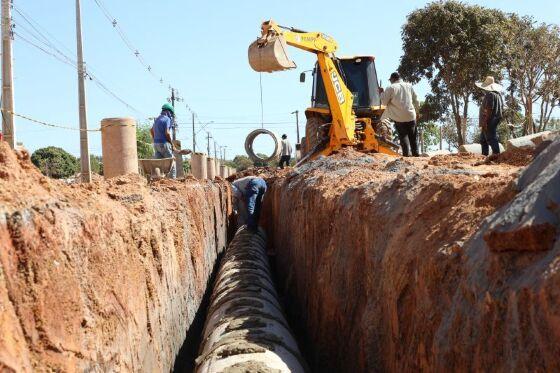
column 211, row 165
column 217, row 161
column 223, row 171
column 199, row 166
column 118, row 143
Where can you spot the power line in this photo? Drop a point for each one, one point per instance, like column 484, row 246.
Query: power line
column 61, row 56
column 114, row 22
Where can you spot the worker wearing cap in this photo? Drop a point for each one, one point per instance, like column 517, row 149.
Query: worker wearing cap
column 286, row 152
column 401, row 102
column 491, row 112
column 248, row 194
column 161, row 136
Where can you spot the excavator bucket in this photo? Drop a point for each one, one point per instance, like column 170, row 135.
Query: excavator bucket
column 270, row 55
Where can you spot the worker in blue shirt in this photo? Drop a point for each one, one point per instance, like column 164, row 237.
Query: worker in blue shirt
column 249, row 191
column 161, row 135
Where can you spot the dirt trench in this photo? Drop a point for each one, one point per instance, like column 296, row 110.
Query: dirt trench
column 384, row 266
column 102, row 277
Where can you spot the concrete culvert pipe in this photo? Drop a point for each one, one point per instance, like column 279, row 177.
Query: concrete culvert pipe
column 249, row 146
column 118, row 142
column 245, row 328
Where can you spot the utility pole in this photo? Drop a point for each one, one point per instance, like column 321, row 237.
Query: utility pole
column 8, row 129
column 297, row 124
column 193, row 135
column 208, row 137
column 215, row 151
column 174, row 98
column 174, row 135
column 84, row 147
column 225, row 147
column 440, row 137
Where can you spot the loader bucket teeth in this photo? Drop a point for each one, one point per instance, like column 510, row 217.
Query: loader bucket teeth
column 270, row 55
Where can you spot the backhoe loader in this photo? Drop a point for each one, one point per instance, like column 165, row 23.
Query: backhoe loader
column 346, row 108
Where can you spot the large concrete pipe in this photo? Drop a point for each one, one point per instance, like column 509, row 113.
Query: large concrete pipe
column 245, row 328
column 249, row 146
column 211, row 168
column 118, row 144
column 217, row 166
column 223, row 171
column 199, row 166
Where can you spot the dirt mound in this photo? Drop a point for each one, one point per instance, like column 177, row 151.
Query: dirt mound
column 388, row 255
column 106, row 276
column 514, row 157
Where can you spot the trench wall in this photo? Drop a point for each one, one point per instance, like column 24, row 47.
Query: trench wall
column 383, row 268
column 105, row 277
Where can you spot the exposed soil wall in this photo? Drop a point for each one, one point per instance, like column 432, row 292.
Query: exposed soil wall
column 384, row 267
column 102, row 277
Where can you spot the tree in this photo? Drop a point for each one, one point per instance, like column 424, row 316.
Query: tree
column 241, row 162
column 187, row 166
column 531, row 63
column 144, row 141
column 272, row 163
column 96, row 164
column 429, row 135
column 453, row 45
column 55, row 162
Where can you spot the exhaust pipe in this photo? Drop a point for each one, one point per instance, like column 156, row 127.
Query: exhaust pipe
column 245, row 328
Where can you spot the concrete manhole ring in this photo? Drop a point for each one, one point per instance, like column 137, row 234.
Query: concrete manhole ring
column 249, row 146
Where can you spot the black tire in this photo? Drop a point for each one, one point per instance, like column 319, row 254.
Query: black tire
column 313, row 134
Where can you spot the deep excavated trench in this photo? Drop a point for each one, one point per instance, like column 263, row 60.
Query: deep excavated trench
column 381, row 265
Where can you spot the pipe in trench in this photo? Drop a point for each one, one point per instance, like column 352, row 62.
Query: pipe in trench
column 245, row 327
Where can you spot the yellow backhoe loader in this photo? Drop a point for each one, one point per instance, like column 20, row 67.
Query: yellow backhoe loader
column 346, row 109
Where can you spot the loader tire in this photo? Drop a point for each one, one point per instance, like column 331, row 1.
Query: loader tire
column 312, row 134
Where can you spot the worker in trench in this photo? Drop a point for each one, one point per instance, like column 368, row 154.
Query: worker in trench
column 491, row 112
column 248, row 194
column 401, row 102
column 161, row 136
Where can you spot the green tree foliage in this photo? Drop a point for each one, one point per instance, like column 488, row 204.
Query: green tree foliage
column 96, row 164
column 186, row 166
column 428, row 136
column 453, row 44
column 55, row 162
column 144, row 141
column 533, row 68
column 241, row 162
column 272, row 163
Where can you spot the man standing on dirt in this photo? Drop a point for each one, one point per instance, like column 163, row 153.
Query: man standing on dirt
column 491, row 112
column 248, row 195
column 401, row 102
column 286, row 153
column 161, row 135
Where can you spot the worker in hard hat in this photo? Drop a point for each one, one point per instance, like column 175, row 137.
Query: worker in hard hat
column 161, row 136
column 286, row 152
column 248, row 194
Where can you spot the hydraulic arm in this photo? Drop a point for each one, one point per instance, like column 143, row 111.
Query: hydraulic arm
column 268, row 54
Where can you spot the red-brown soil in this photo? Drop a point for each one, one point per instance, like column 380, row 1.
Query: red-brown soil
column 384, row 268
column 101, row 277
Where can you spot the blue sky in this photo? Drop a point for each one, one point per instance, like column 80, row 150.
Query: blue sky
column 201, row 49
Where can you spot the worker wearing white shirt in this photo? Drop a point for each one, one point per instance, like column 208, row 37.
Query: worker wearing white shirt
column 401, row 102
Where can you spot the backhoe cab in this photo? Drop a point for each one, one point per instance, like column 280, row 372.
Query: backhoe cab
column 345, row 109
